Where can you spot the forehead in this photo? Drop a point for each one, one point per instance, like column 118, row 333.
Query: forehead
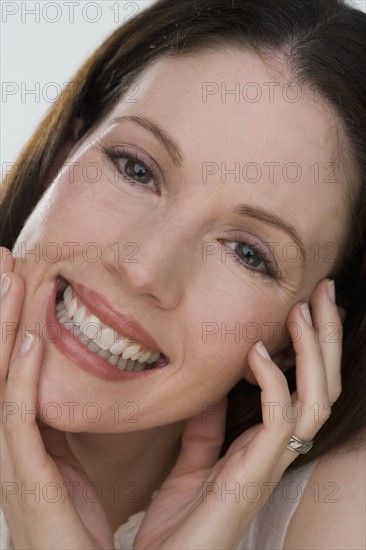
column 233, row 109
column 235, row 91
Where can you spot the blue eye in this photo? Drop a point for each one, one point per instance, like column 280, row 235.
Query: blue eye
column 248, row 254
column 253, row 259
column 132, row 167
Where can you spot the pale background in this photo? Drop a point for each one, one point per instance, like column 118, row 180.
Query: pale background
column 42, row 44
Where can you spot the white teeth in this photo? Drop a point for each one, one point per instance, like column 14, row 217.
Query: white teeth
column 63, row 319
column 104, row 342
column 72, row 308
column 130, row 365
column 122, row 363
column 80, row 315
column 119, row 347
column 91, row 327
column 153, row 357
column 84, row 339
column 67, row 295
column 139, row 366
column 76, row 331
column 106, row 338
column 113, row 360
column 67, row 292
column 131, row 350
column 143, row 358
column 93, row 347
column 61, row 313
column 103, row 353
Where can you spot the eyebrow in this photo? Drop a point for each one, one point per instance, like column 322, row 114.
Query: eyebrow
column 177, row 157
column 161, row 135
column 272, row 219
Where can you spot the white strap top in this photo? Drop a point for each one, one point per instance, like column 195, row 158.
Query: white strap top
column 267, row 530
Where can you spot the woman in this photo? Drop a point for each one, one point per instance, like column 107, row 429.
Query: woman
column 166, row 228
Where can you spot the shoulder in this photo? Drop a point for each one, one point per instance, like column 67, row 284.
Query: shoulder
column 331, row 513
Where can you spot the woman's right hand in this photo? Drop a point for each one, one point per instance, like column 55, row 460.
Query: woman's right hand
column 35, row 455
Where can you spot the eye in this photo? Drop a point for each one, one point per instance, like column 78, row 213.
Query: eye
column 135, row 170
column 253, row 258
column 132, row 167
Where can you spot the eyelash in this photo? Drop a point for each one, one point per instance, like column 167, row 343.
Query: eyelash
column 113, row 155
column 271, row 271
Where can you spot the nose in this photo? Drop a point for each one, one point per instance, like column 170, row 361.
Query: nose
column 155, row 263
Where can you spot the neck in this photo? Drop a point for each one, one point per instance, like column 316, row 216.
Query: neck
column 134, row 463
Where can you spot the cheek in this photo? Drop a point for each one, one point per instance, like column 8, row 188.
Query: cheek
column 69, row 220
column 224, row 329
column 78, row 210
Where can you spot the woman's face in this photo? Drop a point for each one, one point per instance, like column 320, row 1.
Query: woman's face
column 158, row 239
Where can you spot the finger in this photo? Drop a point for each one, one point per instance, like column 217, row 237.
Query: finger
column 311, row 380
column 285, row 358
column 12, row 294
column 327, row 318
column 275, row 398
column 254, row 464
column 202, row 438
column 6, row 260
column 20, row 428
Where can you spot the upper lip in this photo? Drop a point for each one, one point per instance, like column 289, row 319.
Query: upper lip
column 100, row 306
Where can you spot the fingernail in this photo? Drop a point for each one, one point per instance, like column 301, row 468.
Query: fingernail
column 27, row 345
column 306, row 314
column 331, row 291
column 5, row 283
column 261, row 348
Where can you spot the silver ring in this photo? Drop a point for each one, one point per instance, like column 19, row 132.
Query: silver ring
column 298, row 445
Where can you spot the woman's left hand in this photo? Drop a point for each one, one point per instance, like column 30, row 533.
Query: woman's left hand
column 194, row 508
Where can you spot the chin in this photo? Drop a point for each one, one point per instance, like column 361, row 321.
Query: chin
column 68, row 405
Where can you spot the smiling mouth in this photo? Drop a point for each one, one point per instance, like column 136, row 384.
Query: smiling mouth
column 122, row 352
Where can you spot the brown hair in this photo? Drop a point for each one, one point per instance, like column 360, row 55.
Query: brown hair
column 323, row 44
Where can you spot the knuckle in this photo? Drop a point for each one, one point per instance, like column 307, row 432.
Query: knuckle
column 10, row 426
column 325, row 413
column 285, row 426
column 287, row 431
column 13, row 382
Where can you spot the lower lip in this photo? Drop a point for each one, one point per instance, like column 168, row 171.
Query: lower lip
column 75, row 351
